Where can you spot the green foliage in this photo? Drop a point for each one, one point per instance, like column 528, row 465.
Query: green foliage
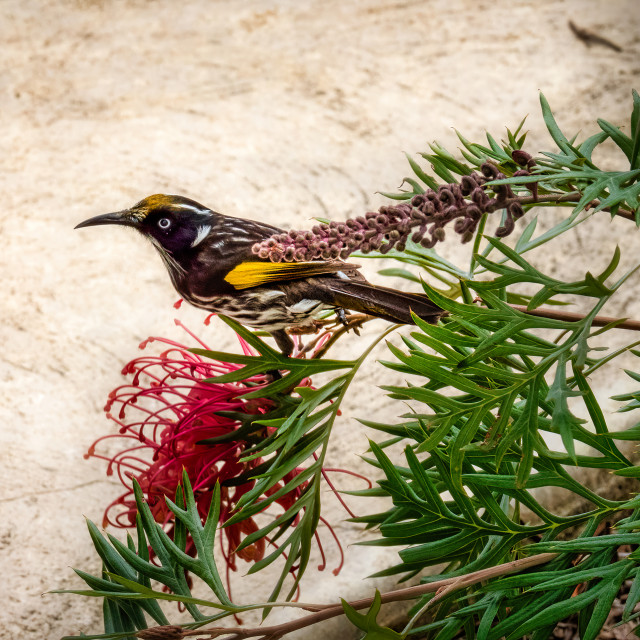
column 494, row 380
column 489, row 385
column 529, row 605
column 302, row 428
column 573, row 169
column 368, row 623
column 125, row 583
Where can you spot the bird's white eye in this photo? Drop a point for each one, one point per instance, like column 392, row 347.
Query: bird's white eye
column 164, row 223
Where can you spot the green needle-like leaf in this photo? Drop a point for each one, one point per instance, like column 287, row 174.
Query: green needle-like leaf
column 367, row 622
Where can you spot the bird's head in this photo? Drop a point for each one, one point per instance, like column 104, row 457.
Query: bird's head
column 173, row 223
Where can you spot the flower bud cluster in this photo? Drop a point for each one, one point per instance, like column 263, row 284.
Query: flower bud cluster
column 422, row 219
column 524, row 159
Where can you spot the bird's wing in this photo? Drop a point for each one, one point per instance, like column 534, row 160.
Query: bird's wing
column 255, row 273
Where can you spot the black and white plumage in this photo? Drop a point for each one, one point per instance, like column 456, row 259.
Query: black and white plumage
column 210, row 262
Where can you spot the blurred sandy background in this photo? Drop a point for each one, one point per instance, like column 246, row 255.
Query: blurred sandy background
column 274, row 110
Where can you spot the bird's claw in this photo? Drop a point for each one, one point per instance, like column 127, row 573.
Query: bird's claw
column 342, row 316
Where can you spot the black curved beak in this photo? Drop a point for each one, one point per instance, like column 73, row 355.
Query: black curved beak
column 118, row 217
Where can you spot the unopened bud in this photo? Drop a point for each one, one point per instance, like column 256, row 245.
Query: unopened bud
column 439, row 234
column 516, row 210
column 521, row 157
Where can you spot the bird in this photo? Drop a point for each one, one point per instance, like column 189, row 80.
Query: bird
column 211, row 264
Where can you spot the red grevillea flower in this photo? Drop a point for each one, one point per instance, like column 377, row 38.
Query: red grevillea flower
column 162, row 415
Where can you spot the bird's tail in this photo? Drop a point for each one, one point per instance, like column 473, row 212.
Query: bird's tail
column 385, row 303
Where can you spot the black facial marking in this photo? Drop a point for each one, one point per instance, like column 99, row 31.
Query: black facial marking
column 173, row 231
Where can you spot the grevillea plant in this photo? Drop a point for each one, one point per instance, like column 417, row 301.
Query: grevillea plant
column 172, row 422
column 501, row 406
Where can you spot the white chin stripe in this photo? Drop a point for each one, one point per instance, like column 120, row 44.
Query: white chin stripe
column 203, row 232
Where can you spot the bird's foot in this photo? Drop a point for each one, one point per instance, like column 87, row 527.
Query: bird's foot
column 342, row 317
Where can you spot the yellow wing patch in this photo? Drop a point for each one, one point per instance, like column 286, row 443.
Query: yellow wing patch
column 255, row 274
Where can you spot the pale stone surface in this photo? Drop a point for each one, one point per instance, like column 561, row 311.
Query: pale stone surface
column 279, row 111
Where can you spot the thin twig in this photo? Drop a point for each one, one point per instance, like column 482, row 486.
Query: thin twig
column 354, row 321
column 598, row 321
column 569, row 197
column 325, row 612
column 589, row 37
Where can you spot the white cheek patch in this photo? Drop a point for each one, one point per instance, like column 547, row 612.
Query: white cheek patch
column 203, row 232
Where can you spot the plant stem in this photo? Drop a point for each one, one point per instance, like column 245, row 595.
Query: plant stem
column 567, row 197
column 598, row 321
column 357, row 320
column 325, row 612
column 476, row 243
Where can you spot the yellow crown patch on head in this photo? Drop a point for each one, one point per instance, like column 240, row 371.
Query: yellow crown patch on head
column 166, row 203
column 156, row 201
